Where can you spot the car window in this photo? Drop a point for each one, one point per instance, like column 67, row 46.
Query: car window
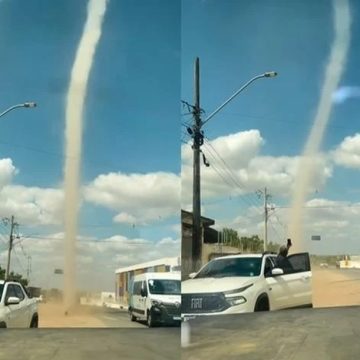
column 1, row 290
column 10, row 292
column 269, row 265
column 299, row 262
column 19, row 292
column 143, row 286
column 164, row 286
column 137, row 288
column 228, row 267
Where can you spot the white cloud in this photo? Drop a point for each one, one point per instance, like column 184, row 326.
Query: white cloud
column 346, row 92
column 97, row 259
column 139, row 198
column 249, row 169
column 32, row 205
column 347, row 154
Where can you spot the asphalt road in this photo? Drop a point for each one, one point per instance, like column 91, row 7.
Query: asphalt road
column 321, row 334
column 90, row 344
column 113, row 318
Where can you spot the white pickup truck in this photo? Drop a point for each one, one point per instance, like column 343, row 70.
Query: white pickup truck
column 246, row 283
column 17, row 309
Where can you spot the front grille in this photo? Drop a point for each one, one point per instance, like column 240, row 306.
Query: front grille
column 172, row 309
column 203, row 303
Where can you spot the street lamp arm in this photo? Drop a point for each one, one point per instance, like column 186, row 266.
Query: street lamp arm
column 267, row 74
column 26, row 105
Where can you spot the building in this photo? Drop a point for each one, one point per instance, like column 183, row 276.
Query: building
column 124, row 276
column 211, row 245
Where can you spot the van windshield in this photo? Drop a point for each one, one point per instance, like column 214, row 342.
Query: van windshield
column 164, row 287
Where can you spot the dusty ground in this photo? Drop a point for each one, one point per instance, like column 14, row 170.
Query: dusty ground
column 334, row 287
column 52, row 315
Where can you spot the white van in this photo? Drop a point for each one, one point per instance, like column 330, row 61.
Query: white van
column 156, row 298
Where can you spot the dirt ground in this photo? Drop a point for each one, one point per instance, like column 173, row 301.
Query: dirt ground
column 334, row 287
column 52, row 315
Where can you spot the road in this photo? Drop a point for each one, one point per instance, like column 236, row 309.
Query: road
column 90, row 344
column 90, row 333
column 321, row 334
column 112, row 318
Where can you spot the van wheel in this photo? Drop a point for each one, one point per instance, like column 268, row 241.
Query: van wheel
column 262, row 304
column 3, row 325
column 150, row 321
column 34, row 322
column 132, row 317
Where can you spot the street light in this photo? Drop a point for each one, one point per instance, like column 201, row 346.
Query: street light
column 265, row 75
column 24, row 105
column 29, row 104
column 197, row 142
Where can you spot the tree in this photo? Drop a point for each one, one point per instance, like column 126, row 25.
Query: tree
column 246, row 244
column 14, row 277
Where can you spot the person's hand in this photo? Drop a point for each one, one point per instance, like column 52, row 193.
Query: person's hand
column 289, row 244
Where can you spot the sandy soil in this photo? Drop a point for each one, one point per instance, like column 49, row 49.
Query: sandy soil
column 333, row 287
column 52, row 315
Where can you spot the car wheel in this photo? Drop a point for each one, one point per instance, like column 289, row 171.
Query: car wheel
column 34, row 322
column 150, row 321
column 262, row 304
column 3, row 325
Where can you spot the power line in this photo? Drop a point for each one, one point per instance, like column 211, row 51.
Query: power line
column 231, row 174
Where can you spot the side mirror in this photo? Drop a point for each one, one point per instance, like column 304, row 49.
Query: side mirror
column 277, row 272
column 192, row 275
column 12, row 300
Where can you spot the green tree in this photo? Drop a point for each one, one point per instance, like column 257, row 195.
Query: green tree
column 14, row 277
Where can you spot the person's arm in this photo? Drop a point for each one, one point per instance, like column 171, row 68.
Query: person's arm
column 289, row 244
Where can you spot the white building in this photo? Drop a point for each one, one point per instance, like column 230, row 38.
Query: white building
column 124, row 276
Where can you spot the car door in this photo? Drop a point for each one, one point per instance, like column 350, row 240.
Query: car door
column 143, row 298
column 24, row 316
column 14, row 315
column 138, row 300
column 277, row 287
column 300, row 279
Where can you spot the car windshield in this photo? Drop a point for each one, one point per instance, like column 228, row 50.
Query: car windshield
column 164, row 287
column 242, row 266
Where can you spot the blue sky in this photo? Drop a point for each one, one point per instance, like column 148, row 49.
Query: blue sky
column 236, row 40
column 132, row 110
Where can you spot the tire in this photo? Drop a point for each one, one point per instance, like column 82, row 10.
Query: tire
column 262, row 304
column 34, row 322
column 132, row 317
column 3, row 325
column 150, row 320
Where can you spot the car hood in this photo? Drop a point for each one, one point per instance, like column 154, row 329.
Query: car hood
column 211, row 285
column 170, row 299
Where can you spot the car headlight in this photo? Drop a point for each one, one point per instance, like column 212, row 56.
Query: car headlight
column 235, row 300
column 236, row 291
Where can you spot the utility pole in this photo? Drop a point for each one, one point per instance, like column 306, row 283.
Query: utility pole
column 266, row 196
column 266, row 218
column 11, row 239
column 198, row 140
column 28, row 272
